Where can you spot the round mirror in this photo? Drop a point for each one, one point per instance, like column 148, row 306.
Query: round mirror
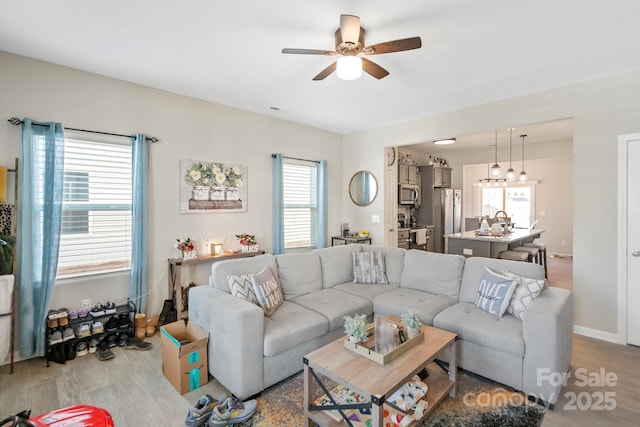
column 363, row 188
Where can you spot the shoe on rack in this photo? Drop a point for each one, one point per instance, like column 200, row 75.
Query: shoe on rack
column 68, row 334
column 55, row 337
column 93, row 345
column 199, row 414
column 83, row 312
column 111, row 340
column 103, row 352
column 82, row 349
column 73, row 314
column 110, row 308
column 97, row 311
column 83, row 331
column 70, row 350
column 123, row 321
column 63, row 317
column 134, row 343
column 112, row 324
column 97, row 327
column 232, row 411
column 52, row 319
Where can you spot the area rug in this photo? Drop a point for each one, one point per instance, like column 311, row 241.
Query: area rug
column 478, row 403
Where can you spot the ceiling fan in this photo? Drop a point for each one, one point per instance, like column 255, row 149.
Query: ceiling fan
column 349, row 44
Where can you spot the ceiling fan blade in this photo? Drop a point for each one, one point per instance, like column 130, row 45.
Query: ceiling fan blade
column 394, row 46
column 350, row 28
column 373, row 69
column 309, row 51
column 324, row 73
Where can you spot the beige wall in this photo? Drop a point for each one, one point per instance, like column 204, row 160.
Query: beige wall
column 188, row 129
column 602, row 110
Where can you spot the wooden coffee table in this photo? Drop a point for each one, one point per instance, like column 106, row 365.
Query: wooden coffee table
column 376, row 382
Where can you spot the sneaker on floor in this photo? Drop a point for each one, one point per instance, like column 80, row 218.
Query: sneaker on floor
column 232, row 411
column 82, row 349
column 199, row 414
column 134, row 343
column 55, row 337
column 104, row 353
column 68, row 334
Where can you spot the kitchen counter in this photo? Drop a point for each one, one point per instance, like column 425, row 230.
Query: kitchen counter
column 468, row 243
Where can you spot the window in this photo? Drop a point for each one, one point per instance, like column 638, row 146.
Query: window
column 299, row 180
column 96, row 209
column 517, row 200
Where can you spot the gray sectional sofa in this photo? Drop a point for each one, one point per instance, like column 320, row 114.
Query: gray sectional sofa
column 249, row 352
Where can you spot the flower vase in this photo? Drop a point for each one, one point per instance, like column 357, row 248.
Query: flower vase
column 200, row 192
column 216, row 193
column 354, row 339
column 232, row 193
column 412, row 332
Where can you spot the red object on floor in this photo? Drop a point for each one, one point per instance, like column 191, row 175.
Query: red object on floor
column 77, row 416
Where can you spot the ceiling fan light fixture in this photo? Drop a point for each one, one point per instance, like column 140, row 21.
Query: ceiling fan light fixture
column 349, row 68
column 447, row 141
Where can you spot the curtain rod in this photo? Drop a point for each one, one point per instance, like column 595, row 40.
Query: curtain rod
column 16, row 121
column 296, row 158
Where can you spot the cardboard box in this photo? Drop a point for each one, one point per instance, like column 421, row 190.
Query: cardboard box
column 184, row 355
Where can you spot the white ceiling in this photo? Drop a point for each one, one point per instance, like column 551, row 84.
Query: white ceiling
column 230, row 52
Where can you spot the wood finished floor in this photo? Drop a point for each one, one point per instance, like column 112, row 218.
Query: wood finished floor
column 133, row 389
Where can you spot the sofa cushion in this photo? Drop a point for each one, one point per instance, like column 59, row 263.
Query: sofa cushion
column 394, row 260
column 527, row 290
column 432, row 272
column 336, row 264
column 399, row 300
column 299, row 273
column 475, row 325
column 268, row 291
column 334, row 305
column 495, row 292
column 369, row 267
column 290, row 326
column 236, row 267
column 474, row 266
column 364, row 290
column 242, row 287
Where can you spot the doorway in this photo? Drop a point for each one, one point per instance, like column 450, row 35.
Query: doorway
column 629, row 238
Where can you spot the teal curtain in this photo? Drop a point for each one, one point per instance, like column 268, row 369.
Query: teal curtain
column 321, row 176
column 278, row 214
column 40, row 178
column 140, row 230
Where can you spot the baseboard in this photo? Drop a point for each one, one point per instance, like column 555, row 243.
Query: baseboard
column 16, row 358
column 559, row 255
column 597, row 334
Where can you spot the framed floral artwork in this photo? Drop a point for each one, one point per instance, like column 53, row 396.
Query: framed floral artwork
column 212, row 187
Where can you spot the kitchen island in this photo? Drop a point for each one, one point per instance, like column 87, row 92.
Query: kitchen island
column 469, row 243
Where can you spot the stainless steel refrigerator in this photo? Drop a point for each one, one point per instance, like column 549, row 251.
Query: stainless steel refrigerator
column 442, row 208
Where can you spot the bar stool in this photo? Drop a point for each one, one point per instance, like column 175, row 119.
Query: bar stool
column 513, row 255
column 531, row 252
column 542, row 254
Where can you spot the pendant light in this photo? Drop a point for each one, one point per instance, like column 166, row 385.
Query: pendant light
column 495, row 169
column 511, row 174
column 523, row 174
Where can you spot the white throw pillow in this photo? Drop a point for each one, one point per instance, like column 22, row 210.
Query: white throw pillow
column 527, row 289
column 369, row 267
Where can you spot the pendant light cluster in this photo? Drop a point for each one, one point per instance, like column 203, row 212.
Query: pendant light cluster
column 494, row 176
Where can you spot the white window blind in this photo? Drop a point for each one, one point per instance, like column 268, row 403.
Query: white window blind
column 96, row 209
column 300, row 203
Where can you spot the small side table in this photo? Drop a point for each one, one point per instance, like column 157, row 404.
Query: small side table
column 350, row 240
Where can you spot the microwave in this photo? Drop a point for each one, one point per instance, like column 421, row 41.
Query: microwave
column 408, row 194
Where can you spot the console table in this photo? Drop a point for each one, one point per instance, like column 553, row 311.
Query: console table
column 175, row 274
column 349, row 240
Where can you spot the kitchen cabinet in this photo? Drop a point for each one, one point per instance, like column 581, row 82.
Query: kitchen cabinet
column 407, row 174
column 435, row 176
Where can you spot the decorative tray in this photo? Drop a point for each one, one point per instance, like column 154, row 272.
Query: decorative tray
column 367, row 348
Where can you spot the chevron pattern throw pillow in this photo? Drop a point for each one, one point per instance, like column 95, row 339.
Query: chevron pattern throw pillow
column 242, row 287
column 527, row 289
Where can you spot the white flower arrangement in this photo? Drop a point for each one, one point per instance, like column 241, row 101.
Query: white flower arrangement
column 198, row 174
column 213, row 174
column 356, row 327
